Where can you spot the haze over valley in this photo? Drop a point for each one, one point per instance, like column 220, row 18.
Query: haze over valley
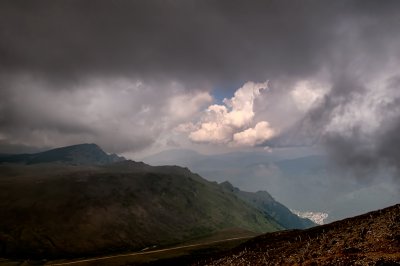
column 301, row 178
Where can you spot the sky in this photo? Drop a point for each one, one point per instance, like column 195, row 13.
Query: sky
column 138, row 77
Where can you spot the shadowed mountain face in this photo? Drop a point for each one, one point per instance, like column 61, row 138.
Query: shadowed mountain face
column 59, row 211
column 369, row 239
column 77, row 200
column 263, row 201
column 81, row 154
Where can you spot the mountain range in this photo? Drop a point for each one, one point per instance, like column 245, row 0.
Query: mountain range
column 305, row 179
column 80, row 201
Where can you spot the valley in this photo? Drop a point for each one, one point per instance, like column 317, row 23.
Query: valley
column 75, row 204
column 82, row 206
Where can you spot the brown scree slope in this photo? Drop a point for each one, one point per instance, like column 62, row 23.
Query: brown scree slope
column 368, row 239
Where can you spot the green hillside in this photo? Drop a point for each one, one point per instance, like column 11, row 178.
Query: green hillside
column 59, row 210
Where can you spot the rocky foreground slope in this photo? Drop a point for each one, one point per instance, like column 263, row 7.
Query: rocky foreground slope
column 369, row 239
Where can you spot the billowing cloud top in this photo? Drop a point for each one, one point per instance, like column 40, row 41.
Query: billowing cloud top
column 231, row 123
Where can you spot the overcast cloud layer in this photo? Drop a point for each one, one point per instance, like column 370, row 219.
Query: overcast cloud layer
column 128, row 75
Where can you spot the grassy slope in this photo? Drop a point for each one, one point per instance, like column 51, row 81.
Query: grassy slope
column 369, row 239
column 57, row 210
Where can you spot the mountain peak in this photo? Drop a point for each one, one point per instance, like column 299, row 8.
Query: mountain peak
column 79, row 154
column 79, row 147
column 228, row 186
column 91, row 145
column 265, row 194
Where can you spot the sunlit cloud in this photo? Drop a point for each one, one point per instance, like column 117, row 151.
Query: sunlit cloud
column 254, row 136
column 232, row 123
column 306, row 93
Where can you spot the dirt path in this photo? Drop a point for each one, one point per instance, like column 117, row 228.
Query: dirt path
column 146, row 252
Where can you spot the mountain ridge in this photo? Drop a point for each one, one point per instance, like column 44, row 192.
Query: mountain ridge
column 79, row 154
column 75, row 201
column 54, row 208
column 263, row 201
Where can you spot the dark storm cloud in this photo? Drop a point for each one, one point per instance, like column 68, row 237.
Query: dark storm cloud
column 119, row 114
column 368, row 147
column 309, row 130
column 367, row 153
column 59, row 45
column 188, row 40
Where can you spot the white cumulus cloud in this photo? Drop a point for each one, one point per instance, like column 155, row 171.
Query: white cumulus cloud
column 232, row 123
column 253, row 136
